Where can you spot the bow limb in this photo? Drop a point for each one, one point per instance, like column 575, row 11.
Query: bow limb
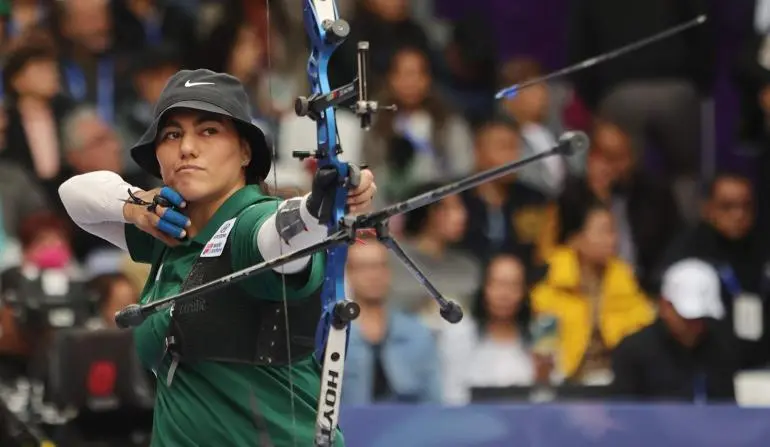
column 326, row 31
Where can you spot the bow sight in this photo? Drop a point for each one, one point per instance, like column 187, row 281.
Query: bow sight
column 313, row 106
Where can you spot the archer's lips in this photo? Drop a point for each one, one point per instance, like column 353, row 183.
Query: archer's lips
column 188, row 168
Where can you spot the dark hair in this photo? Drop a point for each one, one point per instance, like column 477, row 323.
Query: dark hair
column 414, row 221
column 34, row 224
column 497, row 120
column 400, row 153
column 580, row 218
column 477, row 46
column 709, row 186
column 440, row 112
column 523, row 317
column 602, row 122
column 153, row 57
column 32, row 47
column 101, row 286
column 518, row 70
column 218, row 47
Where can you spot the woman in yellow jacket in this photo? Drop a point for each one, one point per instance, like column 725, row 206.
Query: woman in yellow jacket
column 594, row 298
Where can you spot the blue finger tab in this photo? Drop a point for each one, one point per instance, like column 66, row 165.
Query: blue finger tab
column 170, row 229
column 175, row 217
column 172, row 196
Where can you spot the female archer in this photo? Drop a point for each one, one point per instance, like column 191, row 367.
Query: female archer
column 235, row 368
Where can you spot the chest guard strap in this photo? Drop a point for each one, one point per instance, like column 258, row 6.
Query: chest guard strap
column 229, row 325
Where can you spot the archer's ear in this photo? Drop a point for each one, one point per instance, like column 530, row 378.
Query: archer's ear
column 245, row 152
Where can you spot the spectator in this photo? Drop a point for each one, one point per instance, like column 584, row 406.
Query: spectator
column 45, row 244
column 149, row 23
column 594, row 297
column 113, row 292
column 45, row 240
column 507, row 214
column 391, row 356
column 471, row 58
column 35, row 108
column 90, row 70
column 431, row 234
column 530, row 109
column 656, row 93
column 424, row 141
column 728, row 238
column 240, row 51
column 90, row 144
column 491, row 347
column 149, row 71
column 644, row 208
column 20, row 197
column 388, row 27
column 685, row 354
column 24, row 17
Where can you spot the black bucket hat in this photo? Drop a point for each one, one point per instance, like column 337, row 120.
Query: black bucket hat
column 213, row 92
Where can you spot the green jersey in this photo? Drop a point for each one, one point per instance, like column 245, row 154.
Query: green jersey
column 226, row 404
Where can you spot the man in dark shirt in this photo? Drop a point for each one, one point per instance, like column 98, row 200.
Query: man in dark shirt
column 729, row 238
column 655, row 94
column 507, row 215
column 686, row 355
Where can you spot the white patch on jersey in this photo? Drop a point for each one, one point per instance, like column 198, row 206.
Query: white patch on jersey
column 216, row 245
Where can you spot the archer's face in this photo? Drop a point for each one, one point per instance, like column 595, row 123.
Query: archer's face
column 201, row 155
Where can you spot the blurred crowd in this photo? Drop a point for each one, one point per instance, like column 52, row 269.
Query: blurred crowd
column 626, row 268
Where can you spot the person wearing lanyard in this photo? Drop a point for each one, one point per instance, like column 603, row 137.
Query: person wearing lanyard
column 105, row 85
column 221, row 380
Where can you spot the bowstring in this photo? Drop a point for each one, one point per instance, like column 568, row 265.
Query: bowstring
column 275, row 182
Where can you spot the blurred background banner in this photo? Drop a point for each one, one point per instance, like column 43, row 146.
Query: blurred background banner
column 595, row 425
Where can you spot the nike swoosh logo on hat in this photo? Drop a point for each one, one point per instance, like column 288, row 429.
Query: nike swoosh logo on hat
column 193, row 84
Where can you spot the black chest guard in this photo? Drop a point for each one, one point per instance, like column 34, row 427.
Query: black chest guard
column 228, row 325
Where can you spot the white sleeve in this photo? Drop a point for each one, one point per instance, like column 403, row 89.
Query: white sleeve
column 271, row 245
column 94, row 202
column 455, row 344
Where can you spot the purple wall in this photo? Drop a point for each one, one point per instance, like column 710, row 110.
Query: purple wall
column 524, row 27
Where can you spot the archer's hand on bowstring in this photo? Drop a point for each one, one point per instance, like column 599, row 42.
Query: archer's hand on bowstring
column 146, row 210
column 361, row 190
